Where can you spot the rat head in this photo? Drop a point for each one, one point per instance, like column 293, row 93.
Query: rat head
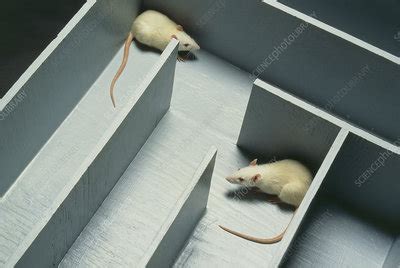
column 247, row 176
column 186, row 43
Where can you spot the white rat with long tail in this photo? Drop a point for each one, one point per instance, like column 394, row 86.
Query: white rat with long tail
column 288, row 180
column 155, row 30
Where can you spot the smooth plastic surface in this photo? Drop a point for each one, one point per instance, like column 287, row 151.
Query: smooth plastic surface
column 27, row 27
column 347, row 78
column 183, row 219
column 50, row 94
column 354, row 218
column 200, row 116
column 107, row 150
column 376, row 22
column 274, row 127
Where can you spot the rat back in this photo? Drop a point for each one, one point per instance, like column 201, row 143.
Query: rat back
column 290, row 171
column 278, row 174
column 153, row 29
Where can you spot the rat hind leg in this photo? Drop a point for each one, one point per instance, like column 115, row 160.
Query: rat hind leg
column 292, row 194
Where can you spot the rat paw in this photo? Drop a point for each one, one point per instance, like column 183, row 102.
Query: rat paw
column 181, row 59
column 274, row 200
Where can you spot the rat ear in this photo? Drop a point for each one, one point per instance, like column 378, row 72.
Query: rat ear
column 174, row 36
column 256, row 177
column 253, row 163
column 179, row 27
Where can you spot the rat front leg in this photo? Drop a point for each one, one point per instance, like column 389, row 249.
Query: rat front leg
column 257, row 190
column 273, row 199
column 180, row 58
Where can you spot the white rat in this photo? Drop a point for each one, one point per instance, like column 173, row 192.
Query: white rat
column 287, row 179
column 155, row 30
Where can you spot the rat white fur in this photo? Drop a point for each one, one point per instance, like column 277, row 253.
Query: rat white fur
column 155, row 30
column 288, row 179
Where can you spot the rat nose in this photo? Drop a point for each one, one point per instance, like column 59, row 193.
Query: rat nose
column 196, row 46
column 228, row 179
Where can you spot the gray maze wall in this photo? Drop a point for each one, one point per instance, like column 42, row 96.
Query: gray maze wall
column 332, row 236
column 336, row 75
column 393, row 258
column 365, row 178
column 376, row 22
column 40, row 22
column 179, row 226
column 285, row 251
column 353, row 217
column 59, row 83
column 48, row 242
column 324, row 69
column 350, row 210
column 274, row 127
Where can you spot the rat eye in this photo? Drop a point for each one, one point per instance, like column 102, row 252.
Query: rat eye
column 241, row 179
column 186, row 45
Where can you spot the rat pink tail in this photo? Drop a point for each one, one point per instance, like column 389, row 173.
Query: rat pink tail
column 255, row 239
column 128, row 43
column 271, row 240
